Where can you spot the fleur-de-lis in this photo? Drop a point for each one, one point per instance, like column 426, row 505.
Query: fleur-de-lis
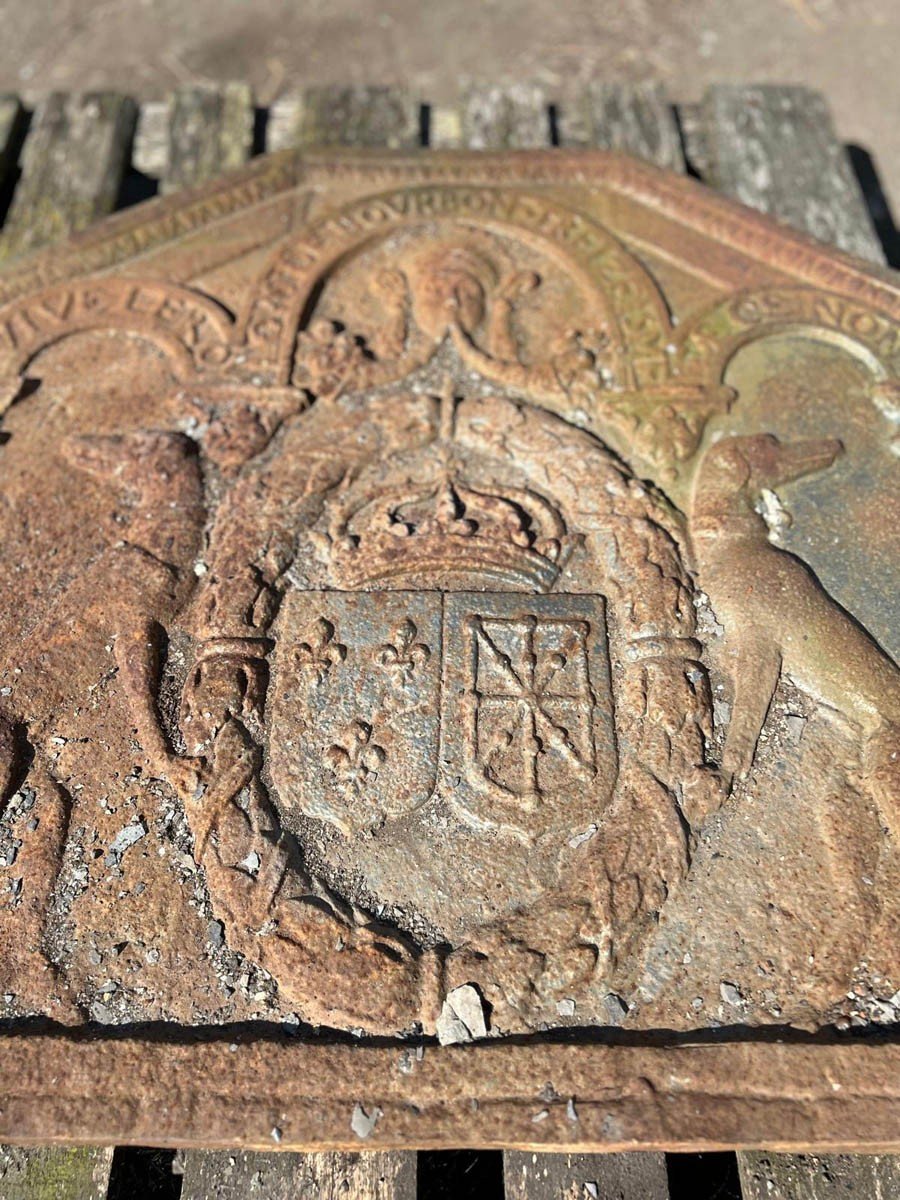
column 355, row 761
column 322, row 652
column 401, row 657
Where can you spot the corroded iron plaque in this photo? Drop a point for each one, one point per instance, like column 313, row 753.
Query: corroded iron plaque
column 448, row 666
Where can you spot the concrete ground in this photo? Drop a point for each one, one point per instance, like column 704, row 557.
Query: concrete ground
column 850, row 49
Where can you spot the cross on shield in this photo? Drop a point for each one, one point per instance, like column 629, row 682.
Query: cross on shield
column 528, row 712
column 533, row 733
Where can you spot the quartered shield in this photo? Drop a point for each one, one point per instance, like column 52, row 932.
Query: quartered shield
column 528, row 713
column 513, row 724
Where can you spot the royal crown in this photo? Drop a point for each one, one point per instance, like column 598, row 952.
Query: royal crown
column 447, row 527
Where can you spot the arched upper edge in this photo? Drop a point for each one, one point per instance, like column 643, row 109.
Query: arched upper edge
column 705, row 346
column 193, row 330
column 591, row 252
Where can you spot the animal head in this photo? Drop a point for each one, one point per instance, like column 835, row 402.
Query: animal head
column 760, row 461
column 735, row 472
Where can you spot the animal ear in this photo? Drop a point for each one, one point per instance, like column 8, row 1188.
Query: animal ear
column 733, row 465
column 757, row 455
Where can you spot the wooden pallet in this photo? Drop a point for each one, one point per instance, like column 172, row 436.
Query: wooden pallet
column 76, row 158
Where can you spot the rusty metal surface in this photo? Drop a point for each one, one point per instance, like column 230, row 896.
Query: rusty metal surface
column 450, row 596
column 258, row 1093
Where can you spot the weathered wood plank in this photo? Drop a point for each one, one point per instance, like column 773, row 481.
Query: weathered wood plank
column 445, row 130
column 283, row 124
column 637, row 118
column 775, row 149
column 497, row 118
column 236, row 128
column 210, row 130
column 57, row 1172
column 358, row 116
column 220, row 1175
column 818, row 1177
column 693, row 137
column 193, row 142
column 150, row 152
column 73, row 161
column 602, row 1176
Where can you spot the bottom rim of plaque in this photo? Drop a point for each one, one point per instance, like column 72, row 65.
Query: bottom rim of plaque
column 248, row 1092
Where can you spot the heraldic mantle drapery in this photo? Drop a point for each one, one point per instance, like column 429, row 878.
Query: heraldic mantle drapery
column 449, row 599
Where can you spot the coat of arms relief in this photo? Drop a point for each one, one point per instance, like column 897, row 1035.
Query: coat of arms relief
column 447, row 611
